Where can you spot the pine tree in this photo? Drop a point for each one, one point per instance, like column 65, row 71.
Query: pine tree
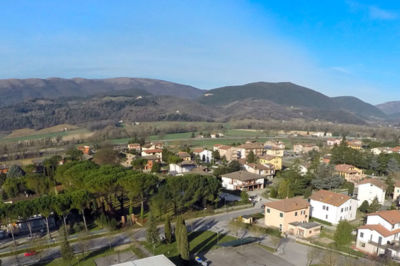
column 168, row 230
column 184, row 248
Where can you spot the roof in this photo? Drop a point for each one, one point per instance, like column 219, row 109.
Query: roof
column 153, row 151
column 268, row 157
column 306, row 225
column 259, row 166
column 224, row 147
column 255, row 145
column 197, row 150
column 183, row 154
column 391, row 216
column 149, row 261
column 344, row 167
column 329, row 197
column 377, row 182
column 150, row 157
column 242, row 176
column 380, row 229
column 288, row 205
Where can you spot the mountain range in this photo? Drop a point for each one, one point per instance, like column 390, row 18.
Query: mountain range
column 38, row 103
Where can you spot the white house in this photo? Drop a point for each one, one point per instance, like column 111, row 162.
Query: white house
column 242, row 180
column 369, row 189
column 181, row 168
column 332, row 207
column 206, row 156
column 380, row 234
column 265, row 170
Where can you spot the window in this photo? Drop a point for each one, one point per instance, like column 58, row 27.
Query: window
column 268, row 211
column 361, row 234
column 350, row 208
column 341, row 210
column 295, row 214
column 326, row 217
column 280, row 227
column 281, row 214
column 323, row 207
column 327, row 208
column 363, row 245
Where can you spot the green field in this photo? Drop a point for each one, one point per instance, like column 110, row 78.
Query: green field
column 44, row 135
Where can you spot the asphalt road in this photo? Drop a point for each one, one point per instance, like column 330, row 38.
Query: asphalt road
column 196, row 224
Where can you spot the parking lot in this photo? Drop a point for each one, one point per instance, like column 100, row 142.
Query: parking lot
column 244, row 255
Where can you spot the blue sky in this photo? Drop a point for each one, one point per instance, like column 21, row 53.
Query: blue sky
column 335, row 47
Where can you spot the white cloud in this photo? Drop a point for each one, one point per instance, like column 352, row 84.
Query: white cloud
column 379, row 13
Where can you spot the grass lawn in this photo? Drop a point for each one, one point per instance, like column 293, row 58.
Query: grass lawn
column 89, row 259
column 200, row 242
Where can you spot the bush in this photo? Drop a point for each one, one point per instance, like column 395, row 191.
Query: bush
column 343, row 234
column 364, row 207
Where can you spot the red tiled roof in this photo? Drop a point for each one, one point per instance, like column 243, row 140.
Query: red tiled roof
column 330, row 197
column 380, row 229
column 288, row 205
column 391, row 216
column 374, row 181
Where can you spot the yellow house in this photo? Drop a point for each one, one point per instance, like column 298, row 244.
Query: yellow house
column 276, row 161
column 280, row 214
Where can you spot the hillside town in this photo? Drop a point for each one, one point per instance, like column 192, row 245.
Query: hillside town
column 331, row 193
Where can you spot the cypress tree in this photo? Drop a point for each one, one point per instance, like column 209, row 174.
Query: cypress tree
column 152, row 233
column 178, row 226
column 184, row 244
column 168, row 230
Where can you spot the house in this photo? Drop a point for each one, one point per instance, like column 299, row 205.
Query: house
column 242, row 180
column 274, row 144
column 85, row 149
column 304, row 148
column 304, row 230
column 155, row 152
column 349, row 172
column 184, row 156
column 332, row 207
column 3, row 169
column 134, row 147
column 396, row 149
column 206, row 156
column 369, row 189
column 151, row 159
column 153, row 145
column 256, row 147
column 216, row 135
column 281, row 213
column 326, row 159
column 379, row 150
column 274, row 148
column 247, row 219
column 266, row 170
column 354, row 144
column 181, row 168
column 396, row 190
column 276, row 161
column 229, row 152
column 196, row 151
column 380, row 234
column 333, row 142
